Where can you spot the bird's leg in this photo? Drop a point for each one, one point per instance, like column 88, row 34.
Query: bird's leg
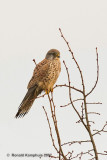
column 51, row 89
column 47, row 91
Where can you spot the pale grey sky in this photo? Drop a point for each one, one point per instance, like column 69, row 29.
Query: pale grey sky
column 28, row 29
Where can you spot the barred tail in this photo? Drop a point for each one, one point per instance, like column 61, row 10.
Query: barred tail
column 28, row 101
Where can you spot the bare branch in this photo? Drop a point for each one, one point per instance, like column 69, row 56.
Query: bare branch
column 34, row 61
column 71, row 98
column 50, row 130
column 99, row 131
column 83, row 153
column 93, row 113
column 94, row 103
column 97, row 75
column 79, row 99
column 84, row 96
column 73, row 142
column 42, row 96
column 72, row 55
column 103, row 153
column 82, row 111
column 65, row 85
column 56, row 127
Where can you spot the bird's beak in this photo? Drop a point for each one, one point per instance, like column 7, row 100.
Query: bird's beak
column 58, row 55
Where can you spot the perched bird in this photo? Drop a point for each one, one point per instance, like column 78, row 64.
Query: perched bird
column 44, row 77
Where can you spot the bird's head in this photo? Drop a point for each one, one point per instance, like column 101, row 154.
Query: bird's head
column 52, row 54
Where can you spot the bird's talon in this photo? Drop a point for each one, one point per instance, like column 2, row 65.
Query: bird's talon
column 51, row 89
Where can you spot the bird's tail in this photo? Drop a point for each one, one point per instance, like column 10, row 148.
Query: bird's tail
column 28, row 100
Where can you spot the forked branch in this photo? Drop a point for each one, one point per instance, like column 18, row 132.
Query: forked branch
column 87, row 125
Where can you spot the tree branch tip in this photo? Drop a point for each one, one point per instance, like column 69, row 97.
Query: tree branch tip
column 96, row 48
column 34, row 61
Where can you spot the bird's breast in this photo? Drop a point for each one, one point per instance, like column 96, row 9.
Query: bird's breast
column 51, row 75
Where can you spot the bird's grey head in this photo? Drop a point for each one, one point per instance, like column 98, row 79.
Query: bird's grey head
column 53, row 53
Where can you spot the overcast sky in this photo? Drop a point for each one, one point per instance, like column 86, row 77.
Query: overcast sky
column 28, row 29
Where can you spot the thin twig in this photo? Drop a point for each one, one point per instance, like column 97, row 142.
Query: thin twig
column 50, row 130
column 34, row 61
column 56, row 128
column 83, row 153
column 93, row 113
column 42, row 96
column 103, row 154
column 65, row 85
column 73, row 142
column 71, row 98
column 102, row 130
column 94, row 103
column 97, row 76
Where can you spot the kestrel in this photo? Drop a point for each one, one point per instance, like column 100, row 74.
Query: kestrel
column 44, row 77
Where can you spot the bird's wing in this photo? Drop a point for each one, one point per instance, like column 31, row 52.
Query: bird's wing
column 26, row 102
column 40, row 73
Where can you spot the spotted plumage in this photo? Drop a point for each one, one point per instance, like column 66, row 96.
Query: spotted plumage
column 44, row 77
